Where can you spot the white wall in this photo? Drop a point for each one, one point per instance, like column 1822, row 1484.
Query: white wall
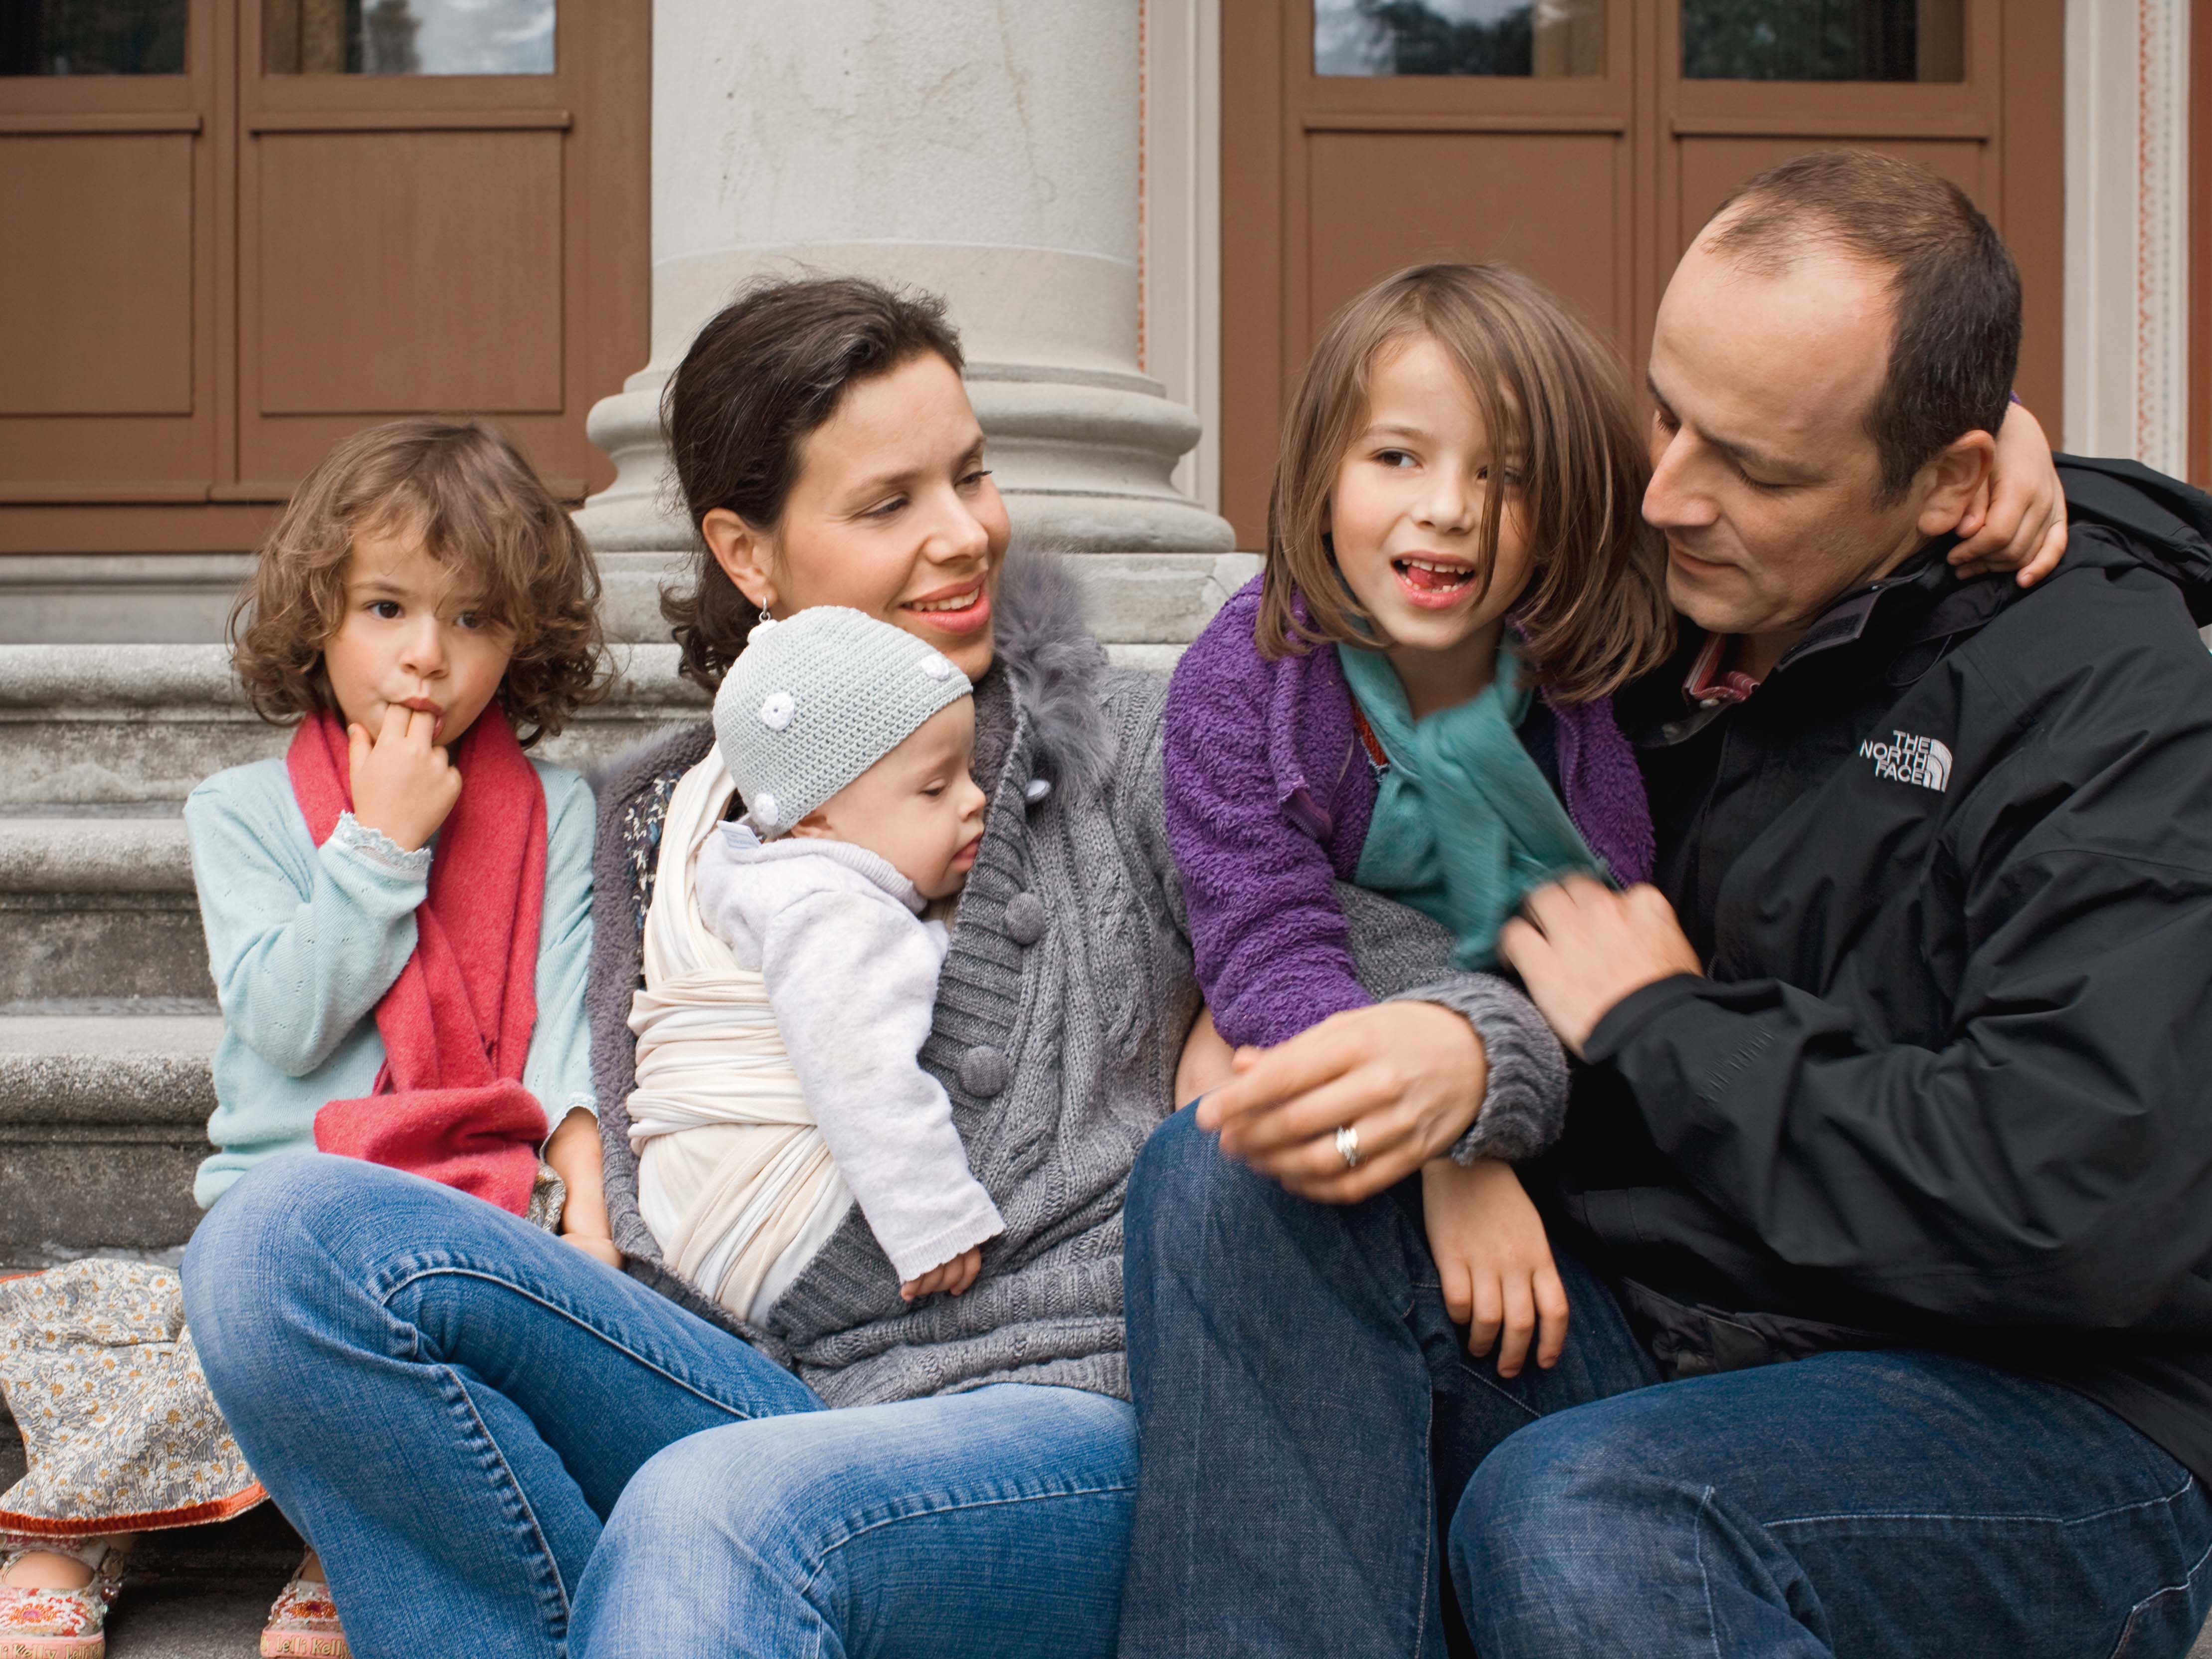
column 1179, row 295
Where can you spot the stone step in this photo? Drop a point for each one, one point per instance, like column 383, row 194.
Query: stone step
column 116, row 727
column 99, row 907
column 103, row 1120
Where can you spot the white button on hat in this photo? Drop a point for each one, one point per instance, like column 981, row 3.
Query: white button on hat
column 776, row 710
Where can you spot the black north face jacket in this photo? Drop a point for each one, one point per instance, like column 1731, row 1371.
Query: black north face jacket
column 1948, row 1081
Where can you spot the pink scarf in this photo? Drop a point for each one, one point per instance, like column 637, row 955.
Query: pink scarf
column 448, row 1102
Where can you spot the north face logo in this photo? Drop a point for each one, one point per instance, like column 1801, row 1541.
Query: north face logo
column 1908, row 759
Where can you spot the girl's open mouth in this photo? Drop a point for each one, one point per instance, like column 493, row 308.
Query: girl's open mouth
column 965, row 858
column 1433, row 584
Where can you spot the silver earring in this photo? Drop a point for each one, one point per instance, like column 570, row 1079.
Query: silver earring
column 765, row 619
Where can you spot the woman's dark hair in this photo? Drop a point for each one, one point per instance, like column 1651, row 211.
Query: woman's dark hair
column 769, row 369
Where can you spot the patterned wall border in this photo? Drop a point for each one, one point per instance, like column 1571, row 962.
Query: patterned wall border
column 2161, row 411
column 2127, row 230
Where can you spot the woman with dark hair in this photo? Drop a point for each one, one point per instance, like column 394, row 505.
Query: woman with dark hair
column 515, row 1441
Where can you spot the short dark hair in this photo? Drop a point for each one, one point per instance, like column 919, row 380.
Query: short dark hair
column 1953, row 289
column 767, row 371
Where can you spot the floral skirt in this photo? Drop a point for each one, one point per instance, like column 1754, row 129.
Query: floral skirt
column 119, row 1429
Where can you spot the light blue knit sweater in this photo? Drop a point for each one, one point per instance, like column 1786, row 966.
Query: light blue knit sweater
column 303, row 943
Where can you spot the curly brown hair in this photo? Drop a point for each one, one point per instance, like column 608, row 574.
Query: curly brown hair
column 480, row 510
column 1596, row 613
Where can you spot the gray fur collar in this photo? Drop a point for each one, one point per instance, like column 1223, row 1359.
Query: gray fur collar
column 1054, row 662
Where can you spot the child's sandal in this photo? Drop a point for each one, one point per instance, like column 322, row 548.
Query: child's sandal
column 58, row 1624
column 303, row 1622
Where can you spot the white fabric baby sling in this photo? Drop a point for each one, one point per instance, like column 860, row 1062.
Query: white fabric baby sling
column 733, row 1177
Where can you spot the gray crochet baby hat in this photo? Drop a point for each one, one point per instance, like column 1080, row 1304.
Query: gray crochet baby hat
column 817, row 699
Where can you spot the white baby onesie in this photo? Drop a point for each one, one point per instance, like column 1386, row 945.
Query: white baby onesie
column 851, row 971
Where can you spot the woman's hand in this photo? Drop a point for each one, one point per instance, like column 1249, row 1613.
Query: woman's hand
column 950, row 1277
column 1499, row 1280
column 1207, row 1062
column 573, row 1151
column 1407, row 1078
column 2018, row 523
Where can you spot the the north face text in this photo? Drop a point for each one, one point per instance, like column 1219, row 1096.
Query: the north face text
column 1908, row 759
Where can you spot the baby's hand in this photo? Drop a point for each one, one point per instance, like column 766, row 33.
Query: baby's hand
column 951, row 1277
column 1498, row 1277
column 403, row 784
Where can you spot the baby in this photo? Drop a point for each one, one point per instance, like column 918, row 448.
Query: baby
column 849, row 742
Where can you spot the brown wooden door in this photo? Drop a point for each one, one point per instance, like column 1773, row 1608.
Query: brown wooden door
column 1585, row 140
column 108, row 186
column 342, row 210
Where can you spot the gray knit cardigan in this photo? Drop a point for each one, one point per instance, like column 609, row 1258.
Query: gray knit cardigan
column 1060, row 1014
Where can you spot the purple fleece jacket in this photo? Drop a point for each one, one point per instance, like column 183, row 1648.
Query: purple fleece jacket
column 1269, row 795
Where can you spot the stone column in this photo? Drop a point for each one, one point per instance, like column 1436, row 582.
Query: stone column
column 986, row 152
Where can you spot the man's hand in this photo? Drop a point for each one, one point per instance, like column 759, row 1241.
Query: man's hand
column 402, row 785
column 1407, row 1078
column 950, row 1277
column 1582, row 947
column 2020, row 522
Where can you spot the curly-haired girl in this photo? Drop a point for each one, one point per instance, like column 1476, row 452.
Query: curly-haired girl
column 397, row 917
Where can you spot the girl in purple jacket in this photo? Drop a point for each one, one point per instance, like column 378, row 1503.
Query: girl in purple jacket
column 1415, row 695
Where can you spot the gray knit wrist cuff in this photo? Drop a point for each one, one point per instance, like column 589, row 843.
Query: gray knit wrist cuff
column 1525, row 1105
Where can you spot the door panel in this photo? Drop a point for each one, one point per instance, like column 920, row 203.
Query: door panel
column 410, row 271
column 1375, row 209
column 338, row 213
column 108, row 240
column 97, row 309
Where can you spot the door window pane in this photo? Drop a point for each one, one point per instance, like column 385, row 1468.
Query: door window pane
column 92, row 37
column 1459, row 37
column 1823, row 39
column 407, row 37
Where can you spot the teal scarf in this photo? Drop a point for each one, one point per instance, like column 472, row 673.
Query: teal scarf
column 1465, row 822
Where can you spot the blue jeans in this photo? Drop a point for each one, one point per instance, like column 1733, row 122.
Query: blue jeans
column 1314, row 1436
column 488, row 1434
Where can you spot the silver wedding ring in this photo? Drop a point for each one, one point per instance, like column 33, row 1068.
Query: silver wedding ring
column 1348, row 1147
